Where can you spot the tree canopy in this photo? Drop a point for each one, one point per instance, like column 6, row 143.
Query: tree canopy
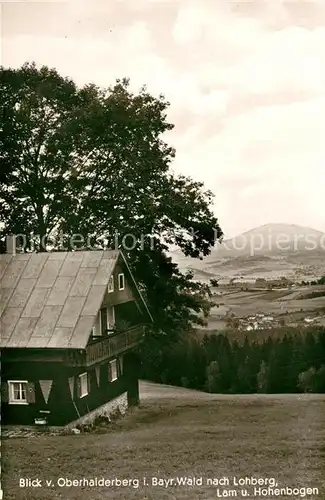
column 283, row 364
column 80, row 166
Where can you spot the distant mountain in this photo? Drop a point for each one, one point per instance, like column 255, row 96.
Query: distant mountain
column 267, row 245
column 272, row 238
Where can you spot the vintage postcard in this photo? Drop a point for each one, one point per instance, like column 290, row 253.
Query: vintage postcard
column 162, row 249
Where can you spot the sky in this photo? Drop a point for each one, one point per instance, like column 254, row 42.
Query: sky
column 245, row 81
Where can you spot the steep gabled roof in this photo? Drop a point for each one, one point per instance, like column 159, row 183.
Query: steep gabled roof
column 52, row 299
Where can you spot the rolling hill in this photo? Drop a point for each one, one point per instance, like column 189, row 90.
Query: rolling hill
column 268, row 250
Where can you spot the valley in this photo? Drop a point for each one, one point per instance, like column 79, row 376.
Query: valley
column 261, row 284
column 256, row 309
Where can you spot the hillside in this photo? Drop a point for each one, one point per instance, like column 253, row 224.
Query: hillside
column 272, row 238
column 271, row 250
column 179, row 434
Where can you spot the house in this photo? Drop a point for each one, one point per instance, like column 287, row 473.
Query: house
column 261, row 283
column 71, row 323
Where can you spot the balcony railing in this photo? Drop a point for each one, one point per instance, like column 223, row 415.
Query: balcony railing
column 107, row 347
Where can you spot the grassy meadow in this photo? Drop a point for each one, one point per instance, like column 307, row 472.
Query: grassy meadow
column 179, row 433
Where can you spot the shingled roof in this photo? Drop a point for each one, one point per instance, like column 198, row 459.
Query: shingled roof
column 52, row 299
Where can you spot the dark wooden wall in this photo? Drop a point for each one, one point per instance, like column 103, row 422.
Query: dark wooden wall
column 63, row 409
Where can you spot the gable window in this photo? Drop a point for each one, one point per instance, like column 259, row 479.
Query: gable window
column 18, row 391
column 121, row 281
column 112, row 370
column 110, row 287
column 83, row 385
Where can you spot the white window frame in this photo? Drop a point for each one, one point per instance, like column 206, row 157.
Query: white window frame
column 109, row 327
column 121, row 275
column 81, row 376
column 11, row 398
column 110, row 286
column 111, row 364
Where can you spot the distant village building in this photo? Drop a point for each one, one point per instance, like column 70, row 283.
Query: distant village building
column 282, row 282
column 261, row 283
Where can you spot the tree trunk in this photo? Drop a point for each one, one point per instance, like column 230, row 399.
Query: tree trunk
column 41, row 229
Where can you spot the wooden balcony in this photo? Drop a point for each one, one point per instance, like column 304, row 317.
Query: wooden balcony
column 107, row 347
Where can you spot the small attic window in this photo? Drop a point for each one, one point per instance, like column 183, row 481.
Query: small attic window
column 121, row 281
column 110, row 287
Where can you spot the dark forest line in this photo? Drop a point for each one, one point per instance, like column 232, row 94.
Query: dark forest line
column 216, row 364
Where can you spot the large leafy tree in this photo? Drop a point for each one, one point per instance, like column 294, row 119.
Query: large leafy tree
column 92, row 162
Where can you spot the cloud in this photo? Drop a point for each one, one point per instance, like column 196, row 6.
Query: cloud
column 264, row 165
column 246, row 82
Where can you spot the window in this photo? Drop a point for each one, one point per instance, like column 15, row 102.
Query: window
column 18, row 392
column 113, row 370
column 110, row 287
column 110, row 318
column 121, row 281
column 83, row 384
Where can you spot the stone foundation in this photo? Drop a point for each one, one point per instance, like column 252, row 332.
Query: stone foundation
column 117, row 404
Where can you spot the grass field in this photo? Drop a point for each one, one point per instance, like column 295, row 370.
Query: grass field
column 180, row 433
column 292, row 306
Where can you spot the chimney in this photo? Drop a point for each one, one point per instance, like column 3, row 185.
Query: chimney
column 11, row 244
